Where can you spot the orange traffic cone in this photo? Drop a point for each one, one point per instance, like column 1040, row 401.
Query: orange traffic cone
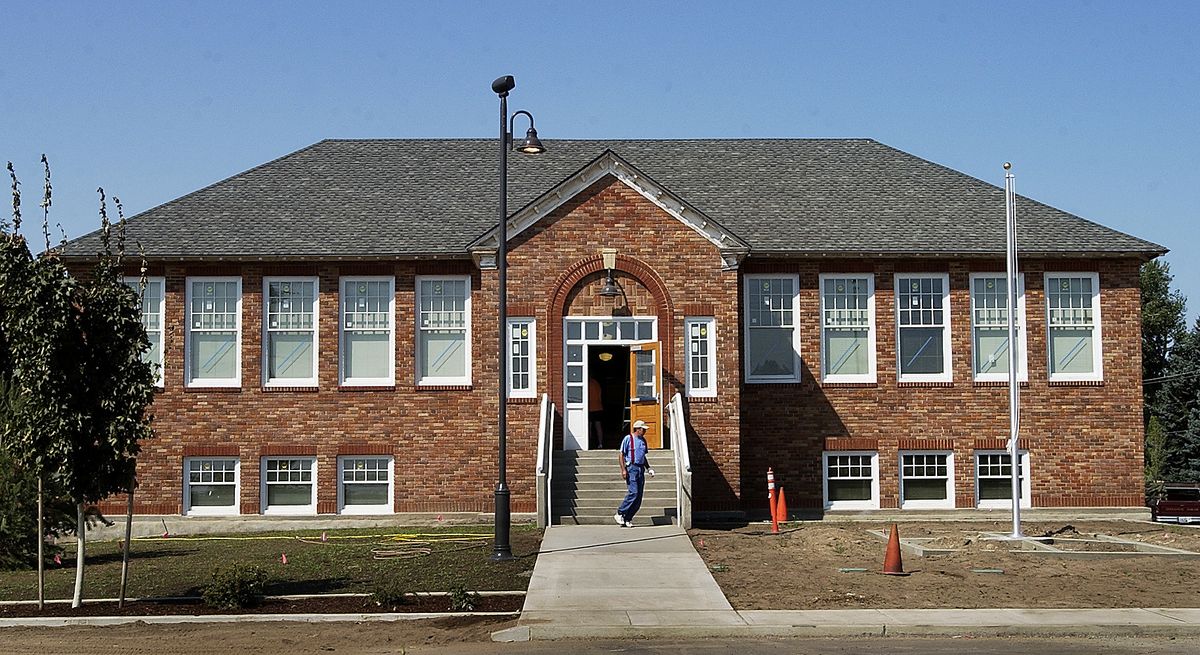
column 891, row 560
column 781, row 507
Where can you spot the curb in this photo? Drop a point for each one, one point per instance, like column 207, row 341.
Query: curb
column 62, row 621
column 176, row 599
column 549, row 633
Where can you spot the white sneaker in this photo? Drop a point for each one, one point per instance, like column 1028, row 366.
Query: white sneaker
column 629, row 524
column 620, row 520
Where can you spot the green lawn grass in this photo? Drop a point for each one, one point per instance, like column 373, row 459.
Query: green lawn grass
column 181, row 566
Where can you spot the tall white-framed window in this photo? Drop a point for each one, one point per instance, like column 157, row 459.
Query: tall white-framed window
column 923, row 327
column 847, row 328
column 154, row 311
column 290, row 340
column 522, row 358
column 1073, row 321
column 367, row 335
column 993, row 478
column 211, row 486
column 365, row 484
column 214, row 332
column 289, row 485
column 989, row 327
column 444, row 329
column 926, row 479
column 772, row 341
column 700, row 332
column 851, row 479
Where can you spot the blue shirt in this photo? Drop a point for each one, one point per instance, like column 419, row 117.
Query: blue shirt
column 639, row 451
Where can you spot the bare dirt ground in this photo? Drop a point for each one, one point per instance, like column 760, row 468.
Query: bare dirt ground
column 799, row 568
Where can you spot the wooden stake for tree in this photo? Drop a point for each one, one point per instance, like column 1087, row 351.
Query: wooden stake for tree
column 128, row 536
column 80, row 540
column 41, row 549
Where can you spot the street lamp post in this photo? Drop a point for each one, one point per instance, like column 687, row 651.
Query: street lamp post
column 531, row 145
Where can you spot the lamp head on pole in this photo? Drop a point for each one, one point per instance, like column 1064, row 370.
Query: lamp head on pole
column 531, row 145
column 504, row 84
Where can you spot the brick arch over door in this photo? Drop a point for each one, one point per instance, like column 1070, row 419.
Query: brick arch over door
column 576, row 274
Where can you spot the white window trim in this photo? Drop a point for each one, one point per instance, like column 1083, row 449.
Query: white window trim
column 531, row 392
column 441, row 381
column 236, row 509
column 873, row 503
column 390, row 380
column 284, row 510
column 190, row 381
column 767, row 379
column 389, row 508
column 1022, row 332
column 135, row 282
column 1097, row 339
column 871, row 375
column 266, row 366
column 709, row 391
column 1026, row 488
column 947, row 374
column 948, row 503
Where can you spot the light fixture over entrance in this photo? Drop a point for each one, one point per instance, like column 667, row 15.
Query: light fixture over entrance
column 608, row 257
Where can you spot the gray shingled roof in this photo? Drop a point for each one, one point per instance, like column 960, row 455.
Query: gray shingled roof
column 365, row 198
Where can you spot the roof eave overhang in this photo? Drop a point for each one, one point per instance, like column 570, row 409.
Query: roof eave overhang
column 967, row 254
column 731, row 247
column 289, row 258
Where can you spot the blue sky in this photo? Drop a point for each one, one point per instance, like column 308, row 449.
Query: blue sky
column 1097, row 104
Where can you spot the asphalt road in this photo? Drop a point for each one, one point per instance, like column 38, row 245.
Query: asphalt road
column 864, row 646
column 444, row 638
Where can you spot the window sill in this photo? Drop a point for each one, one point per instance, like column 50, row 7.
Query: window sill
column 204, row 389
column 999, row 383
column 1076, row 383
column 445, row 387
column 281, row 388
column 849, row 385
column 702, row 400
column 367, row 387
column 520, row 400
column 794, row 384
column 925, row 385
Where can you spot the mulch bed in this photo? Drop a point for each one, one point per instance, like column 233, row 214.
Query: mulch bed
column 336, row 605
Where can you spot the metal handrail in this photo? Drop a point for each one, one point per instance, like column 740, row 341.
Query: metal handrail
column 683, row 461
column 545, row 460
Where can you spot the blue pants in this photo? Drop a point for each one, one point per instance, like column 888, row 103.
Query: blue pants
column 633, row 499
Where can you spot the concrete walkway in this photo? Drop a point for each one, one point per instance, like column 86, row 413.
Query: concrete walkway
column 593, row 581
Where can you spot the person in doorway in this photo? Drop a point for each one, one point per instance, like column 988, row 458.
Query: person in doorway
column 634, row 469
column 596, row 412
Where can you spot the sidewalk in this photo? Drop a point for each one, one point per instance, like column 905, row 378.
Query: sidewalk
column 649, row 582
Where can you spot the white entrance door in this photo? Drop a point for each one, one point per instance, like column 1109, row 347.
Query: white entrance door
column 580, row 332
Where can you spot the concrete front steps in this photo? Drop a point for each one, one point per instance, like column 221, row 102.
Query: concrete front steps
column 586, row 488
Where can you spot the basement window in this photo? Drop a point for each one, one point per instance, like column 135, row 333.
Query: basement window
column 926, row 480
column 210, row 486
column 851, row 480
column 993, row 479
column 288, row 485
column 365, row 485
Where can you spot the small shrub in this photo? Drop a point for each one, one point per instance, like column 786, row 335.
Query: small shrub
column 18, row 514
column 389, row 594
column 462, row 600
column 235, row 587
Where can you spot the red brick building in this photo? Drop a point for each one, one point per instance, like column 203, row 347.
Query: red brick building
column 834, row 309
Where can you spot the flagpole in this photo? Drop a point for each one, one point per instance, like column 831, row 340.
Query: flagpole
column 1014, row 391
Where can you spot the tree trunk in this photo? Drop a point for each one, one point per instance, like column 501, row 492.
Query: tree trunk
column 41, row 548
column 128, row 536
column 80, row 540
